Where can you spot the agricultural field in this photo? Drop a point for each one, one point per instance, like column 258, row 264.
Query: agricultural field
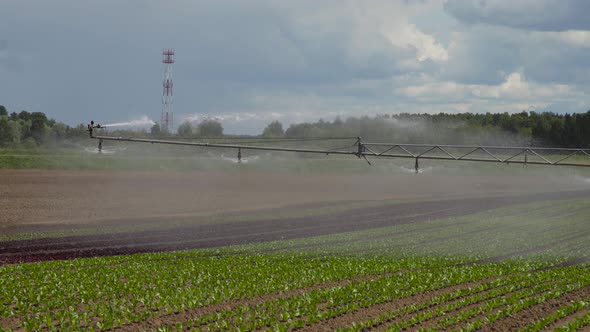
column 351, row 166
column 248, row 250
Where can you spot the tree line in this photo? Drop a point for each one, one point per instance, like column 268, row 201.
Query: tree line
column 33, row 129
column 524, row 128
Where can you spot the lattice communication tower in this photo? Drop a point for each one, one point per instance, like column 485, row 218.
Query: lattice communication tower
column 167, row 119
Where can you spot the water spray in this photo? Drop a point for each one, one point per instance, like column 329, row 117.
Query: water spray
column 144, row 121
column 363, row 150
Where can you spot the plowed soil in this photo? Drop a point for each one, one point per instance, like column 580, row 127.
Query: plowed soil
column 52, row 200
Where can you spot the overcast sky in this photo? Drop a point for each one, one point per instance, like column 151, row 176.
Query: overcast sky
column 248, row 62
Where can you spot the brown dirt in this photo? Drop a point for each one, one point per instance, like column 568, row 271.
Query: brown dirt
column 50, row 200
column 241, row 232
column 67, row 197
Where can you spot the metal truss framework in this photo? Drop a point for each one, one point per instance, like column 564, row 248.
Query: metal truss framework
column 360, row 149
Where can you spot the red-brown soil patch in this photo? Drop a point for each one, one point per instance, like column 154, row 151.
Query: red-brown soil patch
column 241, row 232
column 36, row 197
column 54, row 200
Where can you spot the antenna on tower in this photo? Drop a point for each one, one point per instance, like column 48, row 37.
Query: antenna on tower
column 166, row 121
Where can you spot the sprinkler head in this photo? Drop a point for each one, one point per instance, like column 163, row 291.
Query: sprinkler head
column 91, row 127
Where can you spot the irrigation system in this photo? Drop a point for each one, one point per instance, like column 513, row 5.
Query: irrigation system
column 524, row 155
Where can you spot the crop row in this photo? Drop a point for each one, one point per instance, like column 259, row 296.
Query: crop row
column 322, row 304
column 500, row 308
column 452, row 301
column 576, row 324
column 563, row 311
column 118, row 290
column 463, row 304
column 113, row 291
column 557, row 229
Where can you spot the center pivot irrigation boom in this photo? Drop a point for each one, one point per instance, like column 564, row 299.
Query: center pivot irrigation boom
column 361, row 149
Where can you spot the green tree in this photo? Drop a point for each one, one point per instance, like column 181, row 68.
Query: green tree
column 15, row 130
column 58, row 131
column 38, row 126
column 156, row 131
column 210, row 128
column 274, row 129
column 25, row 129
column 9, row 131
column 4, row 130
column 3, row 111
column 299, row 130
column 185, row 129
column 80, row 131
column 24, row 115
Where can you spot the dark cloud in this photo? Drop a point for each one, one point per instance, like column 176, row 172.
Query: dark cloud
column 270, row 45
column 481, row 57
column 545, row 15
column 485, row 55
column 9, row 62
column 82, row 60
column 105, row 55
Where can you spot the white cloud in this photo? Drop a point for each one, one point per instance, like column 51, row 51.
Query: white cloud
column 514, row 94
column 575, row 38
column 514, row 87
column 427, row 48
column 517, row 88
